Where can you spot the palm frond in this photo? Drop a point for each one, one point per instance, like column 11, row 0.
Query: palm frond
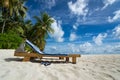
column 37, row 19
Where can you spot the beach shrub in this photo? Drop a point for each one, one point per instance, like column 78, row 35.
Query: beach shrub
column 9, row 41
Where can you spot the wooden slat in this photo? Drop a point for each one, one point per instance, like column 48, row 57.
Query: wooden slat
column 45, row 55
column 75, row 55
column 61, row 57
column 26, row 54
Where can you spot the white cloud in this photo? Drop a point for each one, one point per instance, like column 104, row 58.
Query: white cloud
column 99, row 39
column 86, row 47
column 116, row 32
column 59, row 33
column 73, row 37
column 79, row 7
column 107, row 3
column 53, row 48
column 115, row 17
column 81, row 48
column 47, row 3
column 73, row 48
column 75, row 27
column 89, row 34
column 50, row 3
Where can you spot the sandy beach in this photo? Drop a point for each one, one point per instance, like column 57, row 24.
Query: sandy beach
column 88, row 67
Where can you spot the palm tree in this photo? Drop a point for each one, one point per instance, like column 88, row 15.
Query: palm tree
column 12, row 9
column 41, row 30
column 15, row 7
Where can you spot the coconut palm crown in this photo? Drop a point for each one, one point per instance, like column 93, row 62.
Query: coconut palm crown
column 13, row 11
column 41, row 30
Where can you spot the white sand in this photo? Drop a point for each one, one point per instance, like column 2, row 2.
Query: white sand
column 88, row 67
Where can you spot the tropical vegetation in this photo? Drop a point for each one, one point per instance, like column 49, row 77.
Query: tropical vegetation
column 9, row 40
column 14, row 27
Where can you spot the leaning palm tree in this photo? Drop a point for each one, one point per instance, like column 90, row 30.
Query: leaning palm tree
column 41, row 30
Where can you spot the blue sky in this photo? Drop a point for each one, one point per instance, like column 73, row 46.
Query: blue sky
column 81, row 26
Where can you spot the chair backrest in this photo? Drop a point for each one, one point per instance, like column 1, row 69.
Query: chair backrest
column 35, row 48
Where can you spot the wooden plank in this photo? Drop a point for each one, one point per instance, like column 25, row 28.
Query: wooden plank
column 45, row 55
column 74, row 55
column 61, row 58
column 26, row 59
column 26, row 54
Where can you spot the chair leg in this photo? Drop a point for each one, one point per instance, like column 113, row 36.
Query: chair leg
column 40, row 57
column 67, row 59
column 74, row 60
column 32, row 58
column 61, row 57
column 26, row 59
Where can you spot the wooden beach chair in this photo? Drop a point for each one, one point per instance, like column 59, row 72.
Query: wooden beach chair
column 20, row 52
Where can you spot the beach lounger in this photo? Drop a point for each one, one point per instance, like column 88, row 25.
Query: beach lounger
column 39, row 54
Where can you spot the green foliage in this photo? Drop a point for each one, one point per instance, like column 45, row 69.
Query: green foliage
column 26, row 29
column 14, row 8
column 9, row 41
column 12, row 14
column 28, row 48
column 13, row 26
column 0, row 14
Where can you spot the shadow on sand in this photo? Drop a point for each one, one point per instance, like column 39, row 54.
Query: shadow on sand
column 13, row 59
column 36, row 61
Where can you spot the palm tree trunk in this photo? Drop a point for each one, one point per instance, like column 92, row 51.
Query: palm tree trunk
column 3, row 27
